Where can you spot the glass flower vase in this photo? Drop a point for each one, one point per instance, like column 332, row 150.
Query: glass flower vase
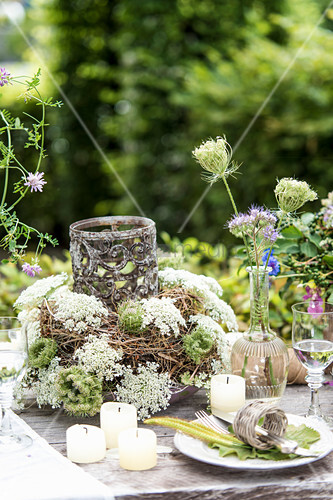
column 260, row 356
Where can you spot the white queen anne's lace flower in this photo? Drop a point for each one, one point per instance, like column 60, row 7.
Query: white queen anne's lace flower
column 205, row 287
column 149, row 390
column 163, row 314
column 45, row 387
column 79, row 311
column 98, row 357
column 197, row 283
column 34, row 295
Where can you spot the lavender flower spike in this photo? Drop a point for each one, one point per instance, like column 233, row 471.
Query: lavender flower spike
column 4, row 77
column 35, row 181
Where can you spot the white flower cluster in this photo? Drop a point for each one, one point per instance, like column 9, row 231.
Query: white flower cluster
column 163, row 314
column 45, row 387
column 149, row 391
column 220, row 311
column 96, row 356
column 30, row 319
column 79, row 311
column 197, row 283
column 205, row 287
column 34, row 295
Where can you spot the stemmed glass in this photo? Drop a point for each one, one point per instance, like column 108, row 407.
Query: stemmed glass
column 313, row 344
column 13, row 364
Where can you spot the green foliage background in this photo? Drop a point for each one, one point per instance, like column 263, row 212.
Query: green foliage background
column 151, row 80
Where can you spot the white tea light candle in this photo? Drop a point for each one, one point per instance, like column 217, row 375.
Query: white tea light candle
column 227, row 392
column 85, row 444
column 137, row 449
column 116, row 417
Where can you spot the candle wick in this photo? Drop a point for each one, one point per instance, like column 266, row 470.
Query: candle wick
column 227, row 380
column 137, row 433
column 86, row 429
column 119, row 409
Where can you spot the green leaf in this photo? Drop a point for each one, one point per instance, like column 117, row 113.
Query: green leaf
column 242, row 452
column 286, row 246
column 4, row 261
column 329, row 260
column 315, row 239
column 302, row 434
column 307, row 218
column 309, row 249
column 292, row 233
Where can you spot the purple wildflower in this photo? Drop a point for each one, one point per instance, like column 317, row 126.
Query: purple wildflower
column 31, row 270
column 316, row 301
column 272, row 262
column 35, row 181
column 260, row 214
column 4, row 75
column 270, row 234
column 255, row 218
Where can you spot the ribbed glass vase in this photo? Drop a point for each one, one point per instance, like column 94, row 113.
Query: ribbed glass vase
column 260, row 356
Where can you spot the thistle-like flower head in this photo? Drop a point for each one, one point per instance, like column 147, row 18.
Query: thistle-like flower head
column 292, row 194
column 35, row 181
column 215, row 156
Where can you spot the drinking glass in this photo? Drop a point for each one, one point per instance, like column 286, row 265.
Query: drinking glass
column 312, row 338
column 13, row 364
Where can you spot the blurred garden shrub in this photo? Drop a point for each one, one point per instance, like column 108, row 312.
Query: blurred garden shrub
column 152, row 79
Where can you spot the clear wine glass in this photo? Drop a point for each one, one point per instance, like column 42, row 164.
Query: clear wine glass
column 313, row 344
column 13, row 364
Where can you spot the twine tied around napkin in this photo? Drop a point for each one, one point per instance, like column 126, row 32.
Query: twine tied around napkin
column 246, row 419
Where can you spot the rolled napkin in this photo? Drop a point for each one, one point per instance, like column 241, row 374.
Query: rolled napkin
column 246, row 419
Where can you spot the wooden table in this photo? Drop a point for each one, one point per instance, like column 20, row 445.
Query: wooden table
column 177, row 477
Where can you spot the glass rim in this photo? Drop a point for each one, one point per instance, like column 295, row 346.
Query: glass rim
column 295, row 308
column 261, row 269
column 10, row 318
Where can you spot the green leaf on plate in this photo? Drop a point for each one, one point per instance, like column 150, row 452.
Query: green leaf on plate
column 242, row 452
column 302, row 434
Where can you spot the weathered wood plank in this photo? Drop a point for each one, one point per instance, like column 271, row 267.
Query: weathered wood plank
column 177, row 477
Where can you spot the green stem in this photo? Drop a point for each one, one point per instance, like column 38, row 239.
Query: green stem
column 236, row 213
column 42, row 123
column 5, row 188
column 244, row 366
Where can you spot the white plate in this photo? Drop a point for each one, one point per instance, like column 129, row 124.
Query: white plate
column 200, row 451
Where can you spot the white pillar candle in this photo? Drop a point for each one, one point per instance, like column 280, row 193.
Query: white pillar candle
column 227, row 392
column 137, row 449
column 85, row 444
column 116, row 417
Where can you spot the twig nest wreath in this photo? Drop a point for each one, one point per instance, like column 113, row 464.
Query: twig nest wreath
column 80, row 352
